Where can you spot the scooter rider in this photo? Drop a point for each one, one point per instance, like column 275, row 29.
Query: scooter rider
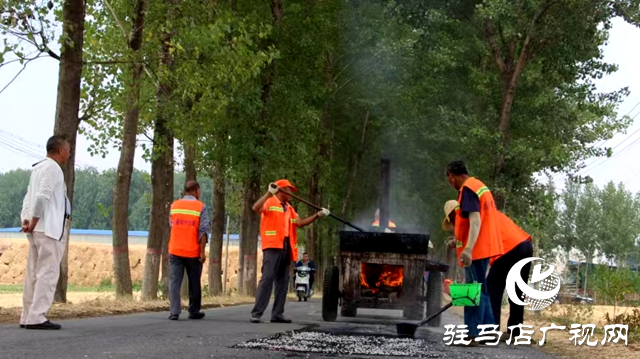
column 305, row 261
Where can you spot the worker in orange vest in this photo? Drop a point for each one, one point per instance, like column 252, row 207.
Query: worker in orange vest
column 478, row 239
column 376, row 223
column 278, row 225
column 517, row 246
column 189, row 235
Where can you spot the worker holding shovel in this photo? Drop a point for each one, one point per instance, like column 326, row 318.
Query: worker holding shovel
column 477, row 239
column 278, row 225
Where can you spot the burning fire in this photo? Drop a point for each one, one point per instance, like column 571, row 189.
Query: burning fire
column 382, row 275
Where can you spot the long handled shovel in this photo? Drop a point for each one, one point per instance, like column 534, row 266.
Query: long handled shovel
column 319, row 209
column 462, row 295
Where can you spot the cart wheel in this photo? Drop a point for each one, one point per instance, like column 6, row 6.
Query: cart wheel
column 330, row 294
column 434, row 297
column 348, row 309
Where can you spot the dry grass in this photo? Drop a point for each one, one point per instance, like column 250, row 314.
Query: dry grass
column 107, row 305
column 558, row 342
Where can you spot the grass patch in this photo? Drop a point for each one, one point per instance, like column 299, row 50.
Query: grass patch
column 17, row 288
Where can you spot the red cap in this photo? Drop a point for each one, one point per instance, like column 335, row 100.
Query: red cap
column 283, row 183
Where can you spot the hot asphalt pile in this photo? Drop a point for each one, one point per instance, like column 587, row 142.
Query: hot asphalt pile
column 344, row 344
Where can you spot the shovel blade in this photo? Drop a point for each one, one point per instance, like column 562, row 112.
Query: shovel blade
column 406, row 330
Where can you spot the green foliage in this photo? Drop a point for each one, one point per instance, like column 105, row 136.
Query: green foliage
column 13, row 186
column 93, row 198
column 613, row 284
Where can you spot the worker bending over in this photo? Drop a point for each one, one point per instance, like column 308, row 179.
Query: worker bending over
column 278, row 225
column 517, row 246
column 477, row 239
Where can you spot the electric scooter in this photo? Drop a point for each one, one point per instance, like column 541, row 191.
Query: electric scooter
column 303, row 290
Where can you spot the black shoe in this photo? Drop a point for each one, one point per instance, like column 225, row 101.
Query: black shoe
column 280, row 320
column 196, row 315
column 22, row 326
column 174, row 316
column 255, row 320
column 45, row 325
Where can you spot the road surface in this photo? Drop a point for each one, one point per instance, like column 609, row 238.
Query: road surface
column 152, row 335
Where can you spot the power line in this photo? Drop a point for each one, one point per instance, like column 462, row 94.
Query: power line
column 603, row 142
column 25, row 147
column 632, row 144
column 588, row 168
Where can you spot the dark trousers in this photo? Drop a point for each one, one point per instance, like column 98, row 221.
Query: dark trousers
column 482, row 314
column 177, row 267
column 276, row 264
column 497, row 281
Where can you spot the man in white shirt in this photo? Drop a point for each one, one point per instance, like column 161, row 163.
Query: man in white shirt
column 45, row 215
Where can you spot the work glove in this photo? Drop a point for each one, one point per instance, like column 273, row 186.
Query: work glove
column 324, row 212
column 451, row 242
column 273, row 188
column 465, row 256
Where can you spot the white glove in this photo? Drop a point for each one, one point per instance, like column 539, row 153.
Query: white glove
column 273, row 188
column 324, row 212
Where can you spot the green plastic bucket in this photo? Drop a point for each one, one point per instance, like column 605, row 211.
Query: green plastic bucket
column 465, row 294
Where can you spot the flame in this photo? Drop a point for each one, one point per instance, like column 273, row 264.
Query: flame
column 389, row 276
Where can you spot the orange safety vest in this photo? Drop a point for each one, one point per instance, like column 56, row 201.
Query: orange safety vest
column 377, row 224
column 489, row 243
column 511, row 234
column 185, row 224
column 273, row 226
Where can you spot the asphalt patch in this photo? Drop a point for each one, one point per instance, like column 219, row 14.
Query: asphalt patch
column 343, row 344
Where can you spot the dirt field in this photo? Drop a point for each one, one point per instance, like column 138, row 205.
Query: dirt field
column 91, row 264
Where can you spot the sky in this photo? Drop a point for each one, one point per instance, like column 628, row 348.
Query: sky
column 27, row 114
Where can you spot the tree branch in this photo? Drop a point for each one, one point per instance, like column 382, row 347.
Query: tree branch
column 497, row 55
column 524, row 53
column 51, row 53
column 15, row 77
column 353, row 78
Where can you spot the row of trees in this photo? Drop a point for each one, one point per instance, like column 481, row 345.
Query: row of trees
column 94, row 192
column 317, row 91
column 595, row 223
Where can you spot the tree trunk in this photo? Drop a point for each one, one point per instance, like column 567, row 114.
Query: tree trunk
column 249, row 234
column 121, row 265
column 511, row 66
column 321, row 158
column 67, row 108
column 161, row 197
column 217, row 230
column 250, row 224
column 190, row 162
column 162, row 168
